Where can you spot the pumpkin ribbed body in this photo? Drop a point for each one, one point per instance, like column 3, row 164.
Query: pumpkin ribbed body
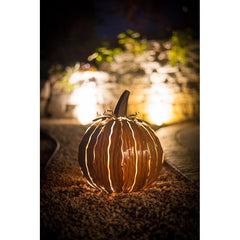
column 118, row 154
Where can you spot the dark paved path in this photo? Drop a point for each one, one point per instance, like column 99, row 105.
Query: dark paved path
column 70, row 209
column 181, row 145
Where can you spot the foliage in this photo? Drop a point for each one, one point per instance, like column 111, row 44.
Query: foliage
column 62, row 75
column 55, row 70
column 67, row 86
column 132, row 42
column 129, row 41
column 178, row 52
column 103, row 54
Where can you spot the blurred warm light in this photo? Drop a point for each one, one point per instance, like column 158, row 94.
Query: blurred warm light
column 88, row 75
column 160, row 113
column 160, row 105
column 85, row 98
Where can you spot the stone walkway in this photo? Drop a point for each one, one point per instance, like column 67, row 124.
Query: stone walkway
column 70, row 209
column 181, row 146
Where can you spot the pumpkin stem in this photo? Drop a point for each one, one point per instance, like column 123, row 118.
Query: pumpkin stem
column 121, row 107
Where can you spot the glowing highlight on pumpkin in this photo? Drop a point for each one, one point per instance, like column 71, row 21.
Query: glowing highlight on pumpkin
column 162, row 157
column 108, row 157
column 136, row 154
column 95, row 185
column 151, row 138
column 122, row 146
column 86, row 160
column 155, row 146
column 94, row 147
column 90, row 184
column 149, row 160
column 150, row 157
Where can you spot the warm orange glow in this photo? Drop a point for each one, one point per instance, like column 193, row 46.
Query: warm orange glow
column 160, row 113
column 85, row 95
column 88, row 75
column 86, row 100
column 160, row 107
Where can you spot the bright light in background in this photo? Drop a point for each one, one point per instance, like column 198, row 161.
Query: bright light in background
column 159, row 113
column 160, row 107
column 87, row 75
column 85, row 98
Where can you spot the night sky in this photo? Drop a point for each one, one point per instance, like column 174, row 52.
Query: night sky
column 71, row 30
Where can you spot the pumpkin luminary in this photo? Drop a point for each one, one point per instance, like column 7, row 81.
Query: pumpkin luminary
column 120, row 153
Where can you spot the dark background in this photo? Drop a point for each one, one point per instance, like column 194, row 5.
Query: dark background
column 71, row 30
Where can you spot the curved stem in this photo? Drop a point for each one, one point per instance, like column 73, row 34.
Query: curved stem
column 121, row 107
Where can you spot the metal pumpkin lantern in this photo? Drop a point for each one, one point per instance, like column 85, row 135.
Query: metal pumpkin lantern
column 119, row 153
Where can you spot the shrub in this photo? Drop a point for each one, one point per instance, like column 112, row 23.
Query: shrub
column 178, row 52
column 129, row 41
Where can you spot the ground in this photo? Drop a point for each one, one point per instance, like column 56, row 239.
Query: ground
column 70, row 209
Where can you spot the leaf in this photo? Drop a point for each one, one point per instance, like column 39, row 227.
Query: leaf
column 122, row 41
column 117, row 51
column 135, row 35
column 121, row 35
column 109, row 58
column 93, row 56
column 129, row 31
column 99, row 58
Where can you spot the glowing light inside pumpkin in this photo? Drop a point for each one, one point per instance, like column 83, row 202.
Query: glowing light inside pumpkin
column 160, row 107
